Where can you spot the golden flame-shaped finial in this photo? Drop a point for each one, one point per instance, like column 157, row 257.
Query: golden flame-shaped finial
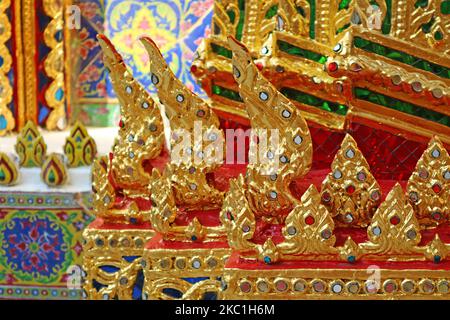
column 104, row 195
column 350, row 192
column 30, row 146
column 164, row 209
column 429, row 186
column 436, row 250
column 237, row 217
column 80, row 148
column 309, row 227
column 197, row 156
column 9, row 170
column 54, row 171
column 141, row 134
column 394, row 229
column 275, row 119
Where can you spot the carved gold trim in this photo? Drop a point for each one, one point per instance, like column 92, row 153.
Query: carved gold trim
column 6, row 93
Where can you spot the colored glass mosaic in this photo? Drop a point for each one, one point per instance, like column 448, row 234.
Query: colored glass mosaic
column 400, row 56
column 402, row 106
column 311, row 100
column 297, row 51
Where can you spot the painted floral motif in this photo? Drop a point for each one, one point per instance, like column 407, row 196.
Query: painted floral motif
column 38, row 246
column 177, row 26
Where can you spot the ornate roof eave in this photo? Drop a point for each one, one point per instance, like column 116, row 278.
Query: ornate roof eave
column 349, row 57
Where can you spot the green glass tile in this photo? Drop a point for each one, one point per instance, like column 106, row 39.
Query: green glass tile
column 426, row 27
column 301, row 11
column 240, row 26
column 421, row 3
column 313, row 101
column 344, row 4
column 221, row 51
column 272, row 12
column 300, row 52
column 445, row 7
column 312, row 19
column 342, row 28
column 402, row 57
column 226, row 93
column 232, row 15
column 402, row 106
column 386, row 26
column 438, row 36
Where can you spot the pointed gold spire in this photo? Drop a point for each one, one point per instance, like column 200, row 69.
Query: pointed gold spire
column 309, row 227
column 429, row 186
column 104, row 195
column 190, row 119
column 141, row 135
column 394, row 229
column 275, row 119
column 164, row 210
column 237, row 216
column 350, row 192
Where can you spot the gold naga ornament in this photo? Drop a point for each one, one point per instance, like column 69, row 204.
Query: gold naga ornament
column 9, row 169
column 264, row 193
column 429, row 186
column 30, row 146
column 189, row 240
column 289, row 140
column 350, row 192
column 54, row 170
column 80, row 148
column 196, row 141
column 140, row 141
column 121, row 192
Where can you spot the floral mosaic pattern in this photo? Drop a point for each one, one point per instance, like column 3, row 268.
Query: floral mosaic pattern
column 177, row 26
column 35, row 246
column 40, row 238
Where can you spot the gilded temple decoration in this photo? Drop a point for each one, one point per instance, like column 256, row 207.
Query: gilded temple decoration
column 248, row 21
column 164, row 209
column 424, row 22
column 7, row 122
column 429, row 186
column 394, row 229
column 294, row 17
column 190, row 118
column 104, row 194
column 308, row 228
column 237, row 217
column 80, row 148
column 30, row 146
column 54, row 64
column 343, row 64
column 350, row 192
column 9, row 170
column 54, row 170
column 282, row 134
column 141, row 134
